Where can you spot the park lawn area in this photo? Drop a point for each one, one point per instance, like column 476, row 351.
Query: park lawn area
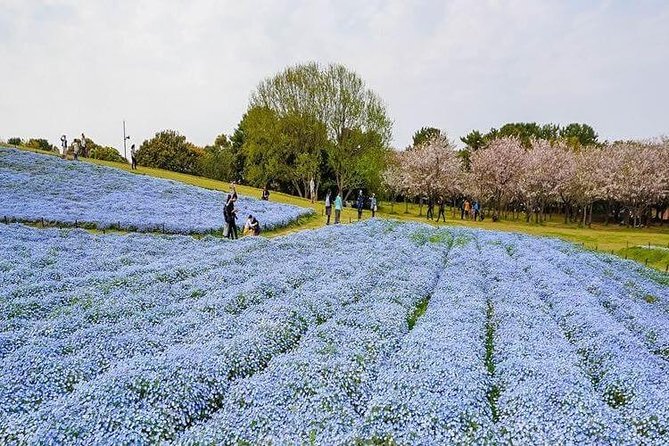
column 625, row 242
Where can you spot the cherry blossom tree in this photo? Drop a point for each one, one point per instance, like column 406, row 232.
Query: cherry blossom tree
column 497, row 170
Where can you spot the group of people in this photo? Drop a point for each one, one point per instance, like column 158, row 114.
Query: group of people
column 468, row 210
column 251, row 226
column 339, row 204
column 78, row 146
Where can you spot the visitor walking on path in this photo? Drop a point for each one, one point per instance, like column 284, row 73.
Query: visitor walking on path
column 360, row 204
column 373, row 205
column 63, row 143
column 442, row 209
column 84, row 152
column 328, row 207
column 338, row 205
column 265, row 194
column 133, row 157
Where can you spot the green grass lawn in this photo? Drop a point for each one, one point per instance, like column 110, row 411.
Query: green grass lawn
column 622, row 241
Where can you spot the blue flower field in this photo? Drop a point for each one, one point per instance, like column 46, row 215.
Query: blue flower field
column 371, row 333
column 35, row 187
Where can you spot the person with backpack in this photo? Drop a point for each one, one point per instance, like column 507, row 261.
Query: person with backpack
column 338, row 206
column 360, row 204
column 373, row 205
column 328, row 207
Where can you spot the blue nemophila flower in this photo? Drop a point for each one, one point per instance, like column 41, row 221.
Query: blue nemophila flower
column 369, row 332
column 35, row 187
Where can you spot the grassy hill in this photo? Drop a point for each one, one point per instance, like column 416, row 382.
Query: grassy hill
column 646, row 245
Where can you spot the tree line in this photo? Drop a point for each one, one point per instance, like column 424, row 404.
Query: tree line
column 323, row 123
column 627, row 181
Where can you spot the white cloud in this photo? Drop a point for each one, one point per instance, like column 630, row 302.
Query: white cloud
column 71, row 66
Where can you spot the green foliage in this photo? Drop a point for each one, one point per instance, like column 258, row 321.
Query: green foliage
column 579, row 134
column 424, row 135
column 222, row 161
column 106, row 153
column 327, row 112
column 40, row 144
column 418, row 311
column 575, row 134
column 170, row 150
column 14, row 141
column 474, row 141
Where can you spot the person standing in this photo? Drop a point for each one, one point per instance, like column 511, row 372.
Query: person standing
column 338, row 206
column 328, row 207
column 372, row 205
column 63, row 143
column 442, row 209
column 467, row 207
column 84, row 152
column 75, row 150
column 233, row 191
column 265, row 194
column 360, row 204
column 476, row 207
column 133, row 157
column 231, row 215
column 430, row 208
column 312, row 189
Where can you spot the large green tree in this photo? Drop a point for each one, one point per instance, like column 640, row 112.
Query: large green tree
column 170, row 150
column 340, row 101
column 424, row 135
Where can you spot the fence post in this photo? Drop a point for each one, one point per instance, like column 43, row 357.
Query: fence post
column 42, row 221
column 6, row 220
column 646, row 261
column 163, row 228
column 75, row 222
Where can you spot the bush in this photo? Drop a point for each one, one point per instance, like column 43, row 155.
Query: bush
column 106, row 154
column 14, row 141
column 40, row 144
column 171, row 151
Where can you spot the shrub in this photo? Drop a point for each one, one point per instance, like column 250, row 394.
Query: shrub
column 106, row 154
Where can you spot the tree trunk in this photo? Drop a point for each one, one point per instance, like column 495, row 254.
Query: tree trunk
column 590, row 216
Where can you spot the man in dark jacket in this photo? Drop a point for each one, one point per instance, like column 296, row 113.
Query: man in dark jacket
column 360, row 204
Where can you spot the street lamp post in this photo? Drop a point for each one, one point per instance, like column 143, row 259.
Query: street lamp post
column 125, row 138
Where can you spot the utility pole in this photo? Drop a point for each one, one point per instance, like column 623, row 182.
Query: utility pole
column 125, row 138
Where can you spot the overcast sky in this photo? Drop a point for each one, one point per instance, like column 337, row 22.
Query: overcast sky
column 73, row 66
